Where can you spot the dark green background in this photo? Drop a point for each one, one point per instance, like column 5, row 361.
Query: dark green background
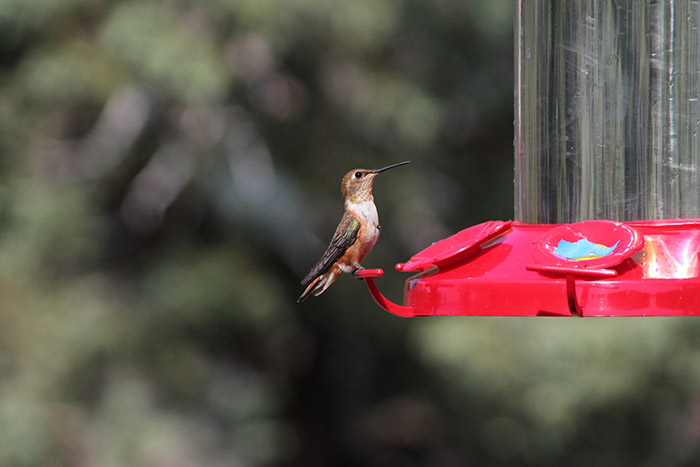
column 169, row 171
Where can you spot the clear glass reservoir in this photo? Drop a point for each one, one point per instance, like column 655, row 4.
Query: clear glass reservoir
column 606, row 110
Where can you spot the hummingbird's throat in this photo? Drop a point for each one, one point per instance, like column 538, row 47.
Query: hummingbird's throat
column 362, row 192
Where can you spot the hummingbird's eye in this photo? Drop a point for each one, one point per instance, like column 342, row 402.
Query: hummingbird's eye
column 358, row 174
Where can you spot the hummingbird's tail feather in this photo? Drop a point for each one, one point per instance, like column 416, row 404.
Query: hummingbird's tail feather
column 320, row 284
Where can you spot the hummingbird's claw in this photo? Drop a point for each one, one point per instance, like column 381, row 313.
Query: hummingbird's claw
column 354, row 273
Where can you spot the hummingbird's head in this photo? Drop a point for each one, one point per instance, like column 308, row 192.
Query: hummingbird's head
column 357, row 184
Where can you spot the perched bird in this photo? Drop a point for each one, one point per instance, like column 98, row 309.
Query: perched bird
column 355, row 235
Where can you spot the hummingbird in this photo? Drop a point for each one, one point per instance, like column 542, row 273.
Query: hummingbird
column 354, row 237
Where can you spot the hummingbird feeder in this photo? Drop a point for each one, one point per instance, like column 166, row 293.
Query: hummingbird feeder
column 607, row 174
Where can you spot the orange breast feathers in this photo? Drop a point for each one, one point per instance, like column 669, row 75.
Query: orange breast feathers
column 366, row 213
column 366, row 239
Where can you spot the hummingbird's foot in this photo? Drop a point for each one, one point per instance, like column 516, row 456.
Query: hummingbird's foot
column 354, row 273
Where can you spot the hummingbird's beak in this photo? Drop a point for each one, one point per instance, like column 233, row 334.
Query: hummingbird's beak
column 390, row 167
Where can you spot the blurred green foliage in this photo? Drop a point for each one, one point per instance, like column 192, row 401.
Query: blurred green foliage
column 170, row 171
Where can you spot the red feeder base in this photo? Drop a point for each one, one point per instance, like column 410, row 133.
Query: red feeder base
column 590, row 268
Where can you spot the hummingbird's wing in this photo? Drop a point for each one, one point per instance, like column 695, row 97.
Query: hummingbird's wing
column 344, row 236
